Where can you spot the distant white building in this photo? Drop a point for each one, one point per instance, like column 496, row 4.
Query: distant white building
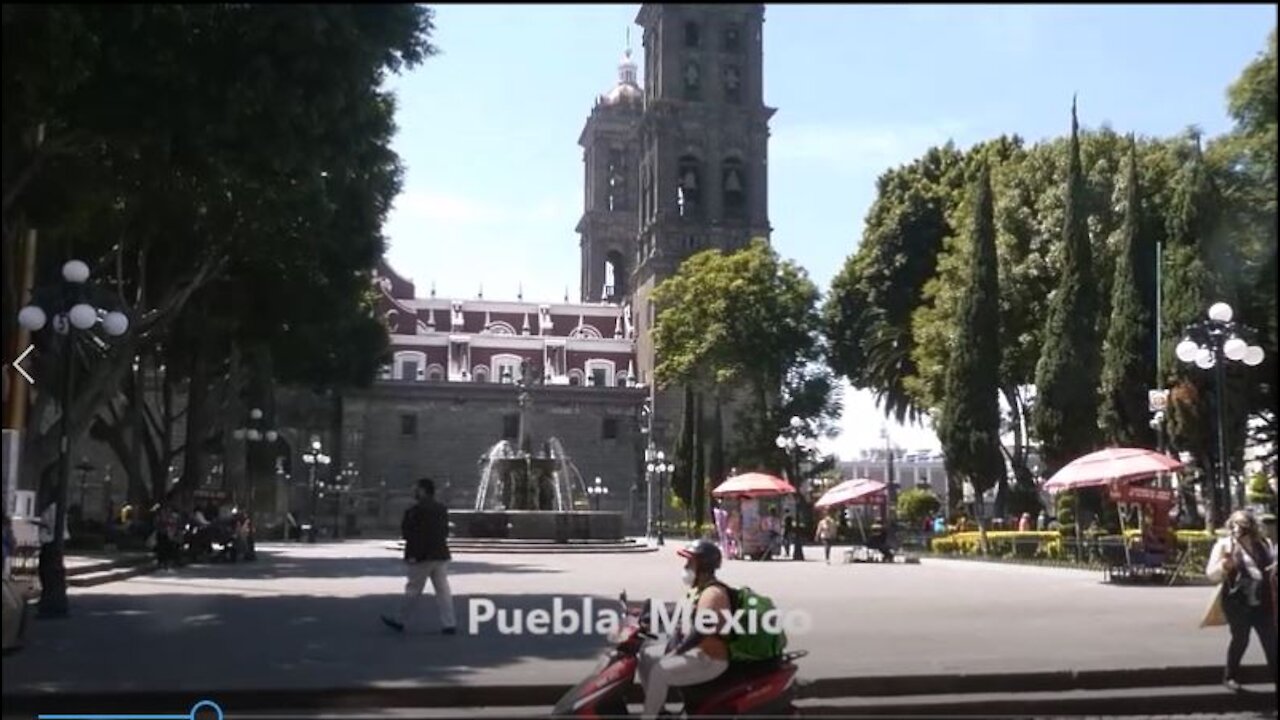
column 912, row 469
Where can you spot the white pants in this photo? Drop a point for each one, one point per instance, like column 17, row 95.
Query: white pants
column 438, row 571
column 660, row 672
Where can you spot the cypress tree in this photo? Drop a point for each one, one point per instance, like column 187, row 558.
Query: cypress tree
column 1065, row 415
column 969, row 426
column 1128, row 362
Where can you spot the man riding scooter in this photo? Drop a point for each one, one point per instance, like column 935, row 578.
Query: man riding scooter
column 696, row 657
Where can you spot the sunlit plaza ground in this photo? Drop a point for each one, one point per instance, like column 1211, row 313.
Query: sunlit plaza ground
column 306, row 616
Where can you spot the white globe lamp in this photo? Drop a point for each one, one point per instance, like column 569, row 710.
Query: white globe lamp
column 75, row 271
column 1221, row 312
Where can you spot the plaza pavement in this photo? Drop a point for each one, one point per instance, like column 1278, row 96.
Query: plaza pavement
column 306, row 617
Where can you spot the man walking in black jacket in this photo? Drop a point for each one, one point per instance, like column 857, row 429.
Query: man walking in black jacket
column 426, row 549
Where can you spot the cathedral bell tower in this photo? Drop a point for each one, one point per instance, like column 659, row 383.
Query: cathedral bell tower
column 703, row 144
column 610, row 156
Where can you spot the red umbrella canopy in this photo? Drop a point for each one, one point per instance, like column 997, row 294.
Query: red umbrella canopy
column 754, row 485
column 1110, row 466
column 852, row 492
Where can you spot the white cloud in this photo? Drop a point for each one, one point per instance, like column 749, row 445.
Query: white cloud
column 854, row 147
column 443, row 207
column 861, row 424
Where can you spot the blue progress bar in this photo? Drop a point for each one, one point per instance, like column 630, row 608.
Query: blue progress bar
column 209, row 704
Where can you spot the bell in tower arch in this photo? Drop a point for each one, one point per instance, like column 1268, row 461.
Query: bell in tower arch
column 733, row 182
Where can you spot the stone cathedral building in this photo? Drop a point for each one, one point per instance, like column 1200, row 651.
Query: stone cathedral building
column 674, row 164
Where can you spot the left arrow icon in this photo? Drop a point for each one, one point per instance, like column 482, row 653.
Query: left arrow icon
column 17, row 364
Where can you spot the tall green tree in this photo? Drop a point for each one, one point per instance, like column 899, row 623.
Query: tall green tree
column 744, row 320
column 1065, row 413
column 1245, row 161
column 1128, row 368
column 969, row 425
column 867, row 316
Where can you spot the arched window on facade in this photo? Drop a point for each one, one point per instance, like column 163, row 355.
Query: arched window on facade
column 692, row 80
column 435, row 373
column 480, row 374
column 692, row 35
column 409, row 365
column 615, row 276
column 615, row 180
column 732, row 84
column 733, row 180
column 689, row 187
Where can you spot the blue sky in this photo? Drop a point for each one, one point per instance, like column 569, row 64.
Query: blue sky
column 489, row 128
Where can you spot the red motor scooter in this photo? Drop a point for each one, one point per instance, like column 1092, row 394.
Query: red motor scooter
column 745, row 689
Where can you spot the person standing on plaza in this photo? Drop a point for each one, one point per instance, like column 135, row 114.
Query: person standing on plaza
column 426, row 550
column 788, row 534
column 1244, row 562
column 827, row 530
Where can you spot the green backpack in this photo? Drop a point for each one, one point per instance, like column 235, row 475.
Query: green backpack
column 755, row 642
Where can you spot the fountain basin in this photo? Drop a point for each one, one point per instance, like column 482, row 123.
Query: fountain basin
column 553, row 525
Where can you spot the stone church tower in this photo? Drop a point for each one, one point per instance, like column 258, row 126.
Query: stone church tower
column 679, row 167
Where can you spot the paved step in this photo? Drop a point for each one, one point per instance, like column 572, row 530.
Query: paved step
column 1185, row 703
column 96, row 577
column 77, row 566
column 509, row 546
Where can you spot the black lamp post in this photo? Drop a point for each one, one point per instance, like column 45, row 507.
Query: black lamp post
column 795, row 441
column 69, row 305
column 253, row 433
column 596, row 491
column 313, row 457
column 661, row 468
column 84, row 467
column 1209, row 344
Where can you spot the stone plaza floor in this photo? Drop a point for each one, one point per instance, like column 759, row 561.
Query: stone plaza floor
column 306, row 616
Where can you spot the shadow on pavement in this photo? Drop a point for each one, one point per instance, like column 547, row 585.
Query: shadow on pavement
column 195, row 643
column 275, row 564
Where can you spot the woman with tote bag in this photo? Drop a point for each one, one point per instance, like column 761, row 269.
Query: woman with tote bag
column 1244, row 563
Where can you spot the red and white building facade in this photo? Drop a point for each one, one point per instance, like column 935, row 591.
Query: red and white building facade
column 488, row 341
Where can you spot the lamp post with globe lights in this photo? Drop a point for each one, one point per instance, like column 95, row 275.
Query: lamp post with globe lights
column 795, row 441
column 313, row 457
column 69, row 305
column 253, row 433
column 660, row 468
column 597, row 491
column 1209, row 345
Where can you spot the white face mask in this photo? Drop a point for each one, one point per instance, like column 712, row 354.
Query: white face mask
column 689, row 577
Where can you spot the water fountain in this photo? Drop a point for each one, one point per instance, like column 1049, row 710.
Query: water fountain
column 528, row 495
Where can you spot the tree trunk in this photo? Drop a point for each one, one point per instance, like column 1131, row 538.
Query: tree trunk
column 715, row 468
column 197, row 416
column 698, row 488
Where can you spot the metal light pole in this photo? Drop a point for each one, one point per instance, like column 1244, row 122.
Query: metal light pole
column 253, row 433
column 889, row 480
column 597, row 491
column 1209, row 345
column 313, row 457
column 71, row 311
column 84, row 467
column 661, row 468
column 795, row 442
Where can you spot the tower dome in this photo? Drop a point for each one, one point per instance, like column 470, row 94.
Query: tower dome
column 628, row 89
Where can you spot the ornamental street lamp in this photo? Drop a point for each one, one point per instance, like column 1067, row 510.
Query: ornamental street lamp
column 252, row 433
column 661, row 468
column 346, row 480
column 795, row 441
column 69, row 304
column 1209, row 344
column 84, row 467
column 313, row 458
column 596, row 491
